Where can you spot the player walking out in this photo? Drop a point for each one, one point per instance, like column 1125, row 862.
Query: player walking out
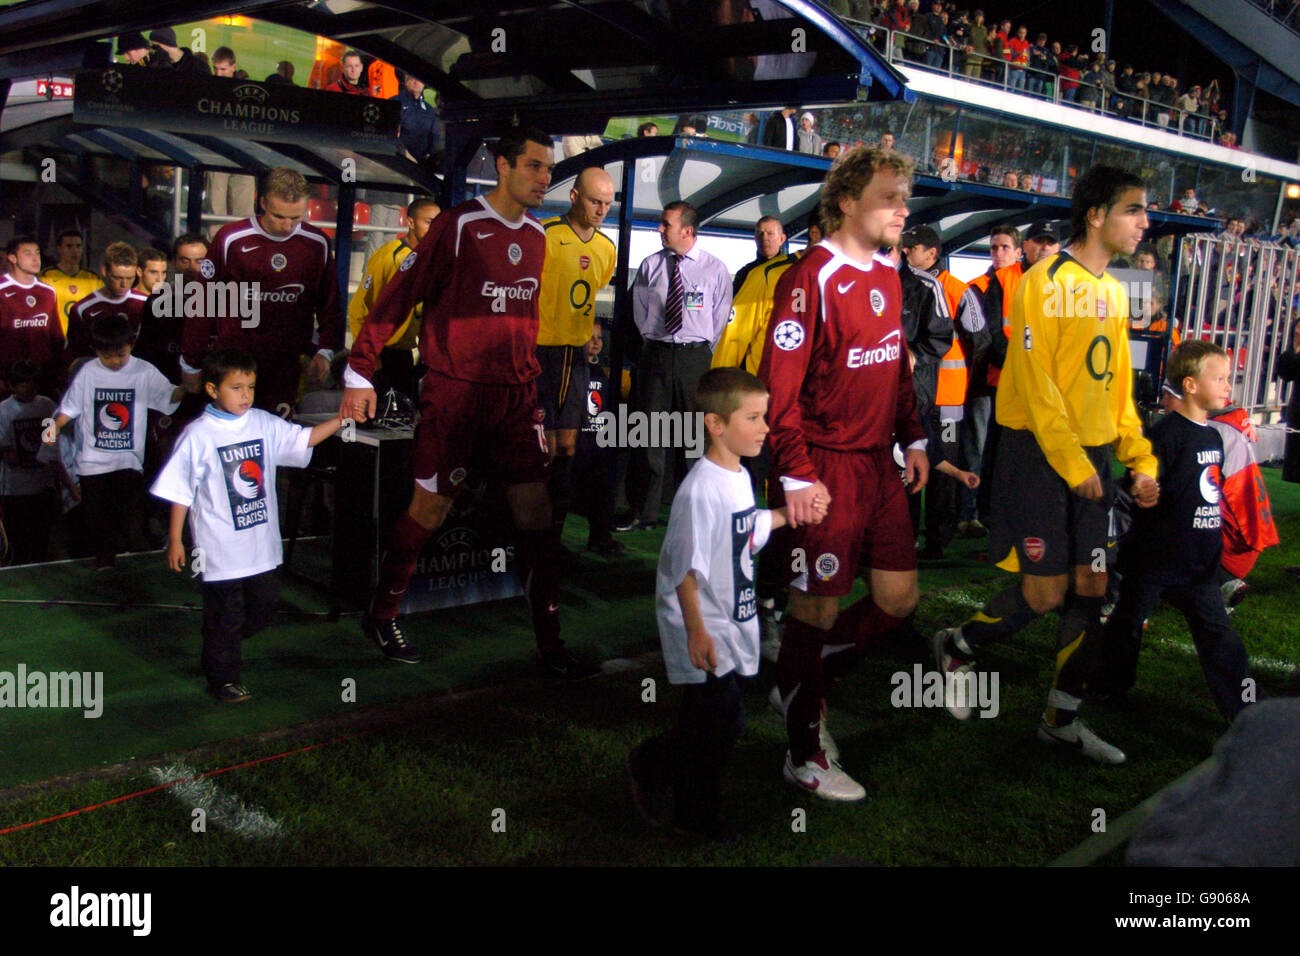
column 836, row 365
column 477, row 273
column 1066, row 401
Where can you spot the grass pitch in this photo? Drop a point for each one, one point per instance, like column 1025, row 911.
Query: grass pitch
column 469, row 758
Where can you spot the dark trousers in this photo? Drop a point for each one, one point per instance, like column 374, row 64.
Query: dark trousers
column 112, row 503
column 971, row 435
column 941, row 491
column 28, row 519
column 665, row 382
column 398, row 369
column 592, row 474
column 1219, row 647
column 233, row 611
column 691, row 759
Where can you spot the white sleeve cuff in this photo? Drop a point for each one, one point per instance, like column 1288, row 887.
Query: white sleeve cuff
column 328, row 353
column 794, row 484
column 353, row 379
column 920, row 444
column 189, row 369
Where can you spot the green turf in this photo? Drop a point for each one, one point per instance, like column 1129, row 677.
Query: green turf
column 550, row 756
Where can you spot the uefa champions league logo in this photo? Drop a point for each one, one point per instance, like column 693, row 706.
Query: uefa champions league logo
column 371, row 113
column 111, row 80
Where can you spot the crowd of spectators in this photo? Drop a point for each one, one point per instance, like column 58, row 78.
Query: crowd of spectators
column 937, row 35
column 420, row 132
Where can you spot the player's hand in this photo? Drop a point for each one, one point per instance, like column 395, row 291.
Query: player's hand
column 1146, row 491
column 916, row 469
column 700, row 646
column 317, row 369
column 1090, row 489
column 821, row 506
column 192, row 382
column 74, row 489
column 800, row 508
column 175, row 555
column 358, row 404
column 970, row 479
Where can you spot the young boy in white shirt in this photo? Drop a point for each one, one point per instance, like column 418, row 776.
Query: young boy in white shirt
column 221, row 474
column 26, row 481
column 112, row 396
column 707, row 607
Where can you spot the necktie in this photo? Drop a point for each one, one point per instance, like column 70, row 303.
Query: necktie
column 673, row 307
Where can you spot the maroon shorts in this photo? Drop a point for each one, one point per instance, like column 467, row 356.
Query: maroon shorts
column 868, row 525
column 497, row 428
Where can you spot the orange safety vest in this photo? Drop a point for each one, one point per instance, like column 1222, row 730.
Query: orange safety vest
column 951, row 389
column 1008, row 278
column 383, row 80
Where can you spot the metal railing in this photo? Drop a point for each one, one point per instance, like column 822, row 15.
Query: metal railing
column 1241, row 294
column 1285, row 12
column 993, row 70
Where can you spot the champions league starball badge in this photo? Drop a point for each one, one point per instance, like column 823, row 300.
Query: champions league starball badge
column 788, row 335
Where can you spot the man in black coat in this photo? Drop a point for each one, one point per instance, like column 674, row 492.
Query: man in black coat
column 1288, row 369
column 780, row 129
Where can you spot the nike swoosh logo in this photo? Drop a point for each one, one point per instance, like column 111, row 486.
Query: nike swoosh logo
column 565, row 242
column 248, row 248
column 845, row 288
column 483, row 235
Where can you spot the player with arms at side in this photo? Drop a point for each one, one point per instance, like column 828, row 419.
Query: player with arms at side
column 1065, row 400
column 477, row 273
column 298, row 310
column 837, row 368
column 580, row 261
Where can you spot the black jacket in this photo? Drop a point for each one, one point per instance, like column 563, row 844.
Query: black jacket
column 927, row 326
column 1288, row 369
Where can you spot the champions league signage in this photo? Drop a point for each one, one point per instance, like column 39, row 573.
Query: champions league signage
column 121, row 95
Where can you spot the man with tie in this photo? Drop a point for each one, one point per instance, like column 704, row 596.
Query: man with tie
column 681, row 301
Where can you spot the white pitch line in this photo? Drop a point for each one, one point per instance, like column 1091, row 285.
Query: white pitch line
column 221, row 809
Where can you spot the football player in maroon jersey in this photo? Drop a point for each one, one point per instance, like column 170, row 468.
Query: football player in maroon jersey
column 836, row 364
column 477, row 272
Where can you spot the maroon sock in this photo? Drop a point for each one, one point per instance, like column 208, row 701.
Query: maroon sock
column 536, row 560
column 799, row 673
column 863, row 624
column 405, row 542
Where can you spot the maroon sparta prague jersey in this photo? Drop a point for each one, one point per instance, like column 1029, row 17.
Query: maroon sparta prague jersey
column 477, row 275
column 835, row 361
column 298, row 291
column 82, row 316
column 29, row 323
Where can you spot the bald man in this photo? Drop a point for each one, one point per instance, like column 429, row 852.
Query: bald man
column 580, row 261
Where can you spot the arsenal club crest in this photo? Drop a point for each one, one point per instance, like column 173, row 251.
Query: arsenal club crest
column 1035, row 548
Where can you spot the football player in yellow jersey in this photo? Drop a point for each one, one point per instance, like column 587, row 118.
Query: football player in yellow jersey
column 741, row 345
column 71, row 282
column 396, row 363
column 580, row 261
column 1065, row 401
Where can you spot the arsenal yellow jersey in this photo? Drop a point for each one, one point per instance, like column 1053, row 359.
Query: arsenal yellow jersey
column 573, row 273
column 741, row 345
column 1068, row 377
column 379, row 272
column 70, row 289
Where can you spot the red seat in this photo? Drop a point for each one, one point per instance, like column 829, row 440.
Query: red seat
column 361, row 214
